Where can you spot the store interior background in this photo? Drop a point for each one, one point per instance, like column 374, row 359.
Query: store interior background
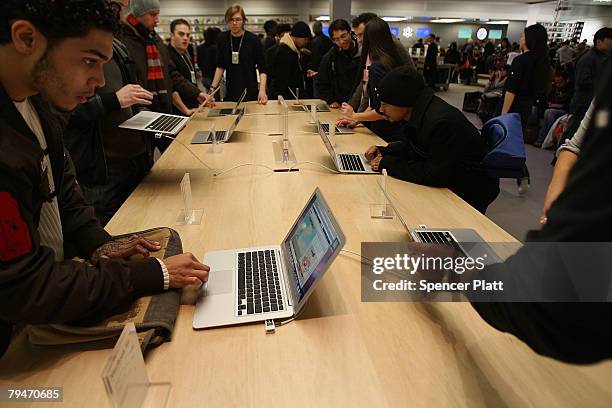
column 514, row 15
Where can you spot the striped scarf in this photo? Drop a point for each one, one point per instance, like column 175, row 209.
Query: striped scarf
column 155, row 72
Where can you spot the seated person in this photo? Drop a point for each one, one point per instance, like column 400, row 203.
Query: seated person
column 53, row 55
column 492, row 93
column 567, row 155
column 441, row 148
column 559, row 98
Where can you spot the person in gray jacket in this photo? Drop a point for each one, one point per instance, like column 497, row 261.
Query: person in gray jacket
column 154, row 66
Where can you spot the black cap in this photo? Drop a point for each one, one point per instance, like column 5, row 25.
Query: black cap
column 301, row 30
column 401, row 87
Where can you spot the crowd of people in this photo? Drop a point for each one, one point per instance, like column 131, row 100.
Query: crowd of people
column 74, row 70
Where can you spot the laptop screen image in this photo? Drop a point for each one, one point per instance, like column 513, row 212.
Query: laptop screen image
column 311, row 245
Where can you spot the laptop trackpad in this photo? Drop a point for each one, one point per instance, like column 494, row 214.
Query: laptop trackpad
column 219, row 282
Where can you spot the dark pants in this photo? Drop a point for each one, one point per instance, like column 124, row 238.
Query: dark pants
column 123, row 178
column 430, row 73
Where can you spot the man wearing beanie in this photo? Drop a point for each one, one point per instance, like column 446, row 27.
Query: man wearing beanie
column 441, row 148
column 149, row 53
column 291, row 62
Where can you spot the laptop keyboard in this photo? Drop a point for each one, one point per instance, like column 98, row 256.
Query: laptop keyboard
column 259, row 288
column 220, row 135
column 325, row 127
column 438, row 237
column 351, row 162
column 164, row 123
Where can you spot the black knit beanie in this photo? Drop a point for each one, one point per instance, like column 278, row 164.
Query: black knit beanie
column 401, row 87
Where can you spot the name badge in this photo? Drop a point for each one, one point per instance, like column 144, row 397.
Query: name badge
column 194, row 80
column 235, row 58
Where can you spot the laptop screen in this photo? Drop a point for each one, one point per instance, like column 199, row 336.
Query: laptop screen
column 311, row 245
column 327, row 143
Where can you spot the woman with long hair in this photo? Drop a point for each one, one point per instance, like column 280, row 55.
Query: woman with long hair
column 529, row 77
column 378, row 57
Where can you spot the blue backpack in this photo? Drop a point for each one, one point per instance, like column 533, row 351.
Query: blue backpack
column 506, row 156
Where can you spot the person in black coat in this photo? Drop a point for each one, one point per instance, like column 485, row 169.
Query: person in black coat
column 441, row 147
column 207, row 55
column 180, row 39
column 338, row 66
column 430, row 67
column 319, row 46
column 292, row 64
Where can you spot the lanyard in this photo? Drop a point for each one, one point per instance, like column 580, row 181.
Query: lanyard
column 188, row 61
column 239, row 46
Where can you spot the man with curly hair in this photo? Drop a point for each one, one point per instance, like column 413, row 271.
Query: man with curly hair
column 52, row 54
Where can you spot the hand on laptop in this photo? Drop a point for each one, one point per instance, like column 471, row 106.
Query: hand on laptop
column 133, row 94
column 346, row 123
column 185, row 269
column 372, row 153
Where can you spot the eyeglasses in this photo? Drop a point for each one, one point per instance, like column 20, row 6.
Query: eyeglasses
column 236, row 20
column 342, row 37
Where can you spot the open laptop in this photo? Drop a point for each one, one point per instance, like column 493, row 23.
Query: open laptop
column 271, row 282
column 466, row 241
column 206, row 136
column 345, row 162
column 228, row 111
column 343, row 130
column 161, row 123
column 301, row 107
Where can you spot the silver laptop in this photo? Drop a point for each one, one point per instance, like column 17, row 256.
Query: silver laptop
column 206, row 136
column 345, row 162
column 228, row 111
column 301, row 107
column 156, row 122
column 271, row 282
column 161, row 123
column 343, row 130
column 466, row 241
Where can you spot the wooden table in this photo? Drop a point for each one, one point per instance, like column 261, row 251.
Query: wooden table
column 342, row 351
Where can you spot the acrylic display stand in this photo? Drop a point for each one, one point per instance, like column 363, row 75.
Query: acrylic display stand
column 125, row 376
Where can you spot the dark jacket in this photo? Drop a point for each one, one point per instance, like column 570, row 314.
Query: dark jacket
column 207, row 60
column 588, row 74
column 319, row 46
column 33, row 287
column 174, row 81
column 431, row 58
column 336, row 72
column 244, row 74
column 573, row 332
column 289, row 72
column 442, row 148
column 93, row 134
column 185, row 66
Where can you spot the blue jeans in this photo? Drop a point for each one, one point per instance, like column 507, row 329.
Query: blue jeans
column 550, row 116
